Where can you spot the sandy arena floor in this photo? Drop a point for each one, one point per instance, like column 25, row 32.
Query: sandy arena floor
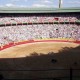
column 40, row 47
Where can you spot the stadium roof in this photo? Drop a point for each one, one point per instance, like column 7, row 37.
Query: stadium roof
column 38, row 10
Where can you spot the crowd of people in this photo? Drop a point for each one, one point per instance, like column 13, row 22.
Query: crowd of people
column 10, row 19
column 18, row 33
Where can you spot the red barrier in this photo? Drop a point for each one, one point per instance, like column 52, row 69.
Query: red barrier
column 32, row 41
column 77, row 42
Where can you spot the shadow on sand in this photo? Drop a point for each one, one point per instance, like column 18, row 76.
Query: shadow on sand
column 42, row 66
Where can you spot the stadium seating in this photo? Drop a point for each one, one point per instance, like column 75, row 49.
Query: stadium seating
column 8, row 19
column 16, row 33
column 38, row 31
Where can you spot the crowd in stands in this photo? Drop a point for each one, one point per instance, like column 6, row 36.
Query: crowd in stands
column 10, row 19
column 18, row 33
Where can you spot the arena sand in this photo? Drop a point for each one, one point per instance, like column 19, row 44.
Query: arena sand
column 39, row 47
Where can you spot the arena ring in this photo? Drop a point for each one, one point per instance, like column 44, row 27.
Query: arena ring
column 25, row 48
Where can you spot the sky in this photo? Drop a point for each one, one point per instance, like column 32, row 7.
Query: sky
column 39, row 3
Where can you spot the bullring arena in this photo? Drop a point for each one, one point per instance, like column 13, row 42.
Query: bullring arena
column 37, row 44
column 44, row 46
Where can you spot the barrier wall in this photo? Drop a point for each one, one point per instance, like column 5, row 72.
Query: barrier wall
column 37, row 40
